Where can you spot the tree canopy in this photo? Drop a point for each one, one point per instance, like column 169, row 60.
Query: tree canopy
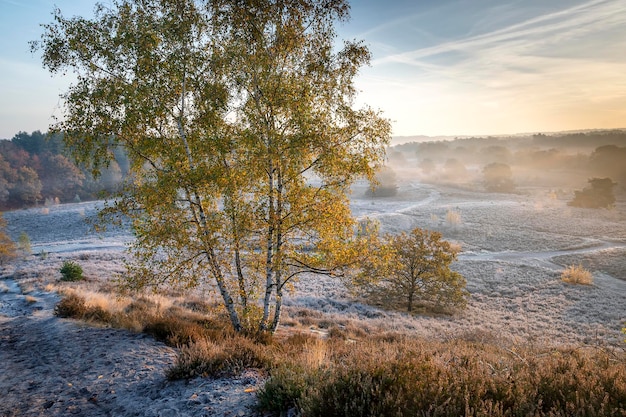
column 36, row 168
column 242, row 138
column 412, row 269
column 498, row 178
column 599, row 194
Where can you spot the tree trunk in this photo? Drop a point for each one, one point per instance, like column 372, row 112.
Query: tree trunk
column 228, row 299
column 277, row 311
column 269, row 259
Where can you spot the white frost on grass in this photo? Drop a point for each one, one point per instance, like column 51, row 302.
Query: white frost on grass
column 513, row 246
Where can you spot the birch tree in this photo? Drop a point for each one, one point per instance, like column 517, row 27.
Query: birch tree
column 238, row 118
column 413, row 269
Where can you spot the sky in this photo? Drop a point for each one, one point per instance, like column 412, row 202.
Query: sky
column 439, row 67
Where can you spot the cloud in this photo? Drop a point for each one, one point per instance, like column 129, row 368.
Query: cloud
column 512, row 68
column 527, row 35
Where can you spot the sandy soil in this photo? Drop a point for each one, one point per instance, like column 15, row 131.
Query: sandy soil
column 514, row 247
column 58, row 367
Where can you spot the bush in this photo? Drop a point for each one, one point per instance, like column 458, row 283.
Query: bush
column 71, row 306
column 284, row 389
column 411, row 377
column 384, row 185
column 71, row 271
column 453, row 217
column 498, row 178
column 577, row 274
column 175, row 331
column 598, row 195
column 7, row 246
column 23, row 243
column 75, row 307
column 226, row 357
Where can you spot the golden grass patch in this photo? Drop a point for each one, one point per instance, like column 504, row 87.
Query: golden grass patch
column 30, row 299
column 577, row 274
column 453, row 217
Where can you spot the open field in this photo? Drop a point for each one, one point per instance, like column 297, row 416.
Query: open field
column 514, row 247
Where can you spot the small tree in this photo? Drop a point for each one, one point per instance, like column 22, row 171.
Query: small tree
column 454, row 170
column 412, row 268
column 23, row 243
column 385, row 184
column 598, row 195
column 427, row 166
column 7, row 246
column 71, row 271
column 497, row 178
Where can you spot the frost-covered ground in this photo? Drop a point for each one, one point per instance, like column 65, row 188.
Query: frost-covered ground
column 513, row 249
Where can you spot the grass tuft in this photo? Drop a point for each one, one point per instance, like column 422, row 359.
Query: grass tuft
column 453, row 217
column 71, row 306
column 577, row 274
column 222, row 358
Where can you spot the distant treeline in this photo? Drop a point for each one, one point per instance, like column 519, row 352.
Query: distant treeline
column 36, row 169
column 591, row 154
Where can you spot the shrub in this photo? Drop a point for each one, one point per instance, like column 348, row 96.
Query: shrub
column 7, row 246
column 384, row 185
column 577, row 274
column 410, row 377
column 174, row 330
column 71, row 271
column 30, row 299
column 71, row 306
column 497, row 178
column 284, row 389
column 225, row 357
column 97, row 314
column 453, row 217
column 598, row 195
column 75, row 307
column 23, row 243
column 454, row 170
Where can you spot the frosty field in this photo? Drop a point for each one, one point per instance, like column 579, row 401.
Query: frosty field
column 514, row 247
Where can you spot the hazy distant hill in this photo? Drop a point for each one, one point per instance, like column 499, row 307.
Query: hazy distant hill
column 397, row 140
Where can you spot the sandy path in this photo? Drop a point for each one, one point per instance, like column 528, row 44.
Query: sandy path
column 59, row 367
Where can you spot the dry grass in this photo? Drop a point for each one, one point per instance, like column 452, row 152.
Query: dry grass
column 26, row 287
column 379, row 373
column 453, row 217
column 455, row 247
column 30, row 299
column 577, row 274
column 398, row 376
column 217, row 358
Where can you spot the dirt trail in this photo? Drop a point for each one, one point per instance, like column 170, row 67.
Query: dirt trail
column 59, row 367
column 544, row 257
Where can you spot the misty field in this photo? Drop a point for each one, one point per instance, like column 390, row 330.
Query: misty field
column 513, row 250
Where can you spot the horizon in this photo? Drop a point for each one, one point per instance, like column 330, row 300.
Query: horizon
column 402, row 139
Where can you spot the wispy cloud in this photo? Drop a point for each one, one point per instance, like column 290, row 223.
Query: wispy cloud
column 525, row 36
